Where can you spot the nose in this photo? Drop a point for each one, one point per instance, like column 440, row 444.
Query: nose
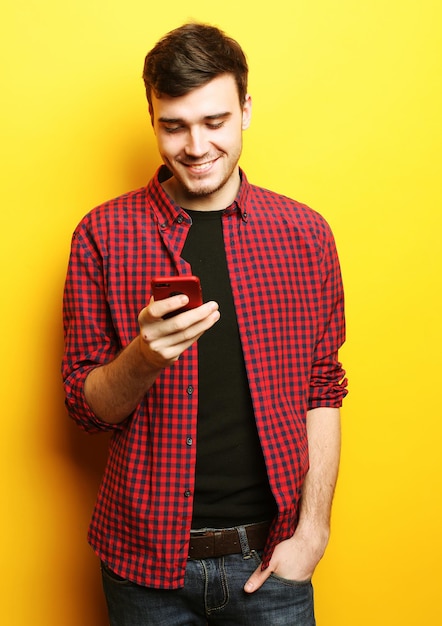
column 196, row 145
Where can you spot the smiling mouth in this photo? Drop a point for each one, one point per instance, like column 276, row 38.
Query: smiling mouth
column 200, row 168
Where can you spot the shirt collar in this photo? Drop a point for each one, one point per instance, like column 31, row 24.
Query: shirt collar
column 241, row 201
column 164, row 208
column 167, row 211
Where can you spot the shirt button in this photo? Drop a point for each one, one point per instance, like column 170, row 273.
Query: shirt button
column 189, row 441
column 187, row 493
column 190, row 390
column 180, row 219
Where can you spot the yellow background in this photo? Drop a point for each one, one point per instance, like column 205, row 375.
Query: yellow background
column 347, row 118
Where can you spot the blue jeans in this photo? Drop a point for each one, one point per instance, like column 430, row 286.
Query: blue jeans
column 212, row 594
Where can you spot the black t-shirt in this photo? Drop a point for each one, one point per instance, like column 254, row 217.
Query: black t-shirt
column 231, row 479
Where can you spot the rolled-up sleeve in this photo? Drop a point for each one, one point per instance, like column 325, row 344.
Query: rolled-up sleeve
column 328, row 384
column 90, row 339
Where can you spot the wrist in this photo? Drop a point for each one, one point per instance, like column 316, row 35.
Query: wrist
column 313, row 533
column 145, row 362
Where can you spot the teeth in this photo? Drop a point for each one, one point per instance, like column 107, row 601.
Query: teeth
column 201, row 167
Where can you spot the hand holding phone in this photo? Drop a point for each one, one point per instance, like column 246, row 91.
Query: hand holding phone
column 162, row 343
column 166, row 287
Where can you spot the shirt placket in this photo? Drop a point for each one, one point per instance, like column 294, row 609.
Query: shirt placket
column 185, row 384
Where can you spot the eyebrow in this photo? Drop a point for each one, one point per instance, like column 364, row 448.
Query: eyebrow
column 179, row 120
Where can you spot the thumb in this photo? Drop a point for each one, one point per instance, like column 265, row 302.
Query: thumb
column 257, row 579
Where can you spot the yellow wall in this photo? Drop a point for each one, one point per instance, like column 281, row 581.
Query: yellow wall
column 347, row 118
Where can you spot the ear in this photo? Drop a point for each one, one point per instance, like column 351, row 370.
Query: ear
column 247, row 112
column 151, row 115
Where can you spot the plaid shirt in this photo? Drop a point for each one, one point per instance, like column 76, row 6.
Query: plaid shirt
column 287, row 290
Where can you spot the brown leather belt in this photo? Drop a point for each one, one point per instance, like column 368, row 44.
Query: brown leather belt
column 213, row 543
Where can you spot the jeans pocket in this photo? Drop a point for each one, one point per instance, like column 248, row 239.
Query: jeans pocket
column 291, row 583
column 285, row 581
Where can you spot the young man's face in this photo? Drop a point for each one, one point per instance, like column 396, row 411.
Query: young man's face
column 199, row 137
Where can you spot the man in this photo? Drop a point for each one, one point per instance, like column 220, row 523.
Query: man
column 215, row 503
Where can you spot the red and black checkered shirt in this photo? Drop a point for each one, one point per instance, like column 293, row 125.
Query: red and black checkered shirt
column 288, row 296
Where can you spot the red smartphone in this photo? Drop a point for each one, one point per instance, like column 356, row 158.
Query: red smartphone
column 166, row 287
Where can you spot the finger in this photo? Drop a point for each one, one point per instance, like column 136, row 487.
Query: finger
column 158, row 309
column 257, row 579
column 168, row 339
column 182, row 336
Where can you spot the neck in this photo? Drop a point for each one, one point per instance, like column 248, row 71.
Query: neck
column 214, row 201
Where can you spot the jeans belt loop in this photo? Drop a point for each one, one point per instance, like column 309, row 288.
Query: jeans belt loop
column 244, row 542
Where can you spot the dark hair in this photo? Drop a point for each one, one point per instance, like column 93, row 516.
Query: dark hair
column 191, row 56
